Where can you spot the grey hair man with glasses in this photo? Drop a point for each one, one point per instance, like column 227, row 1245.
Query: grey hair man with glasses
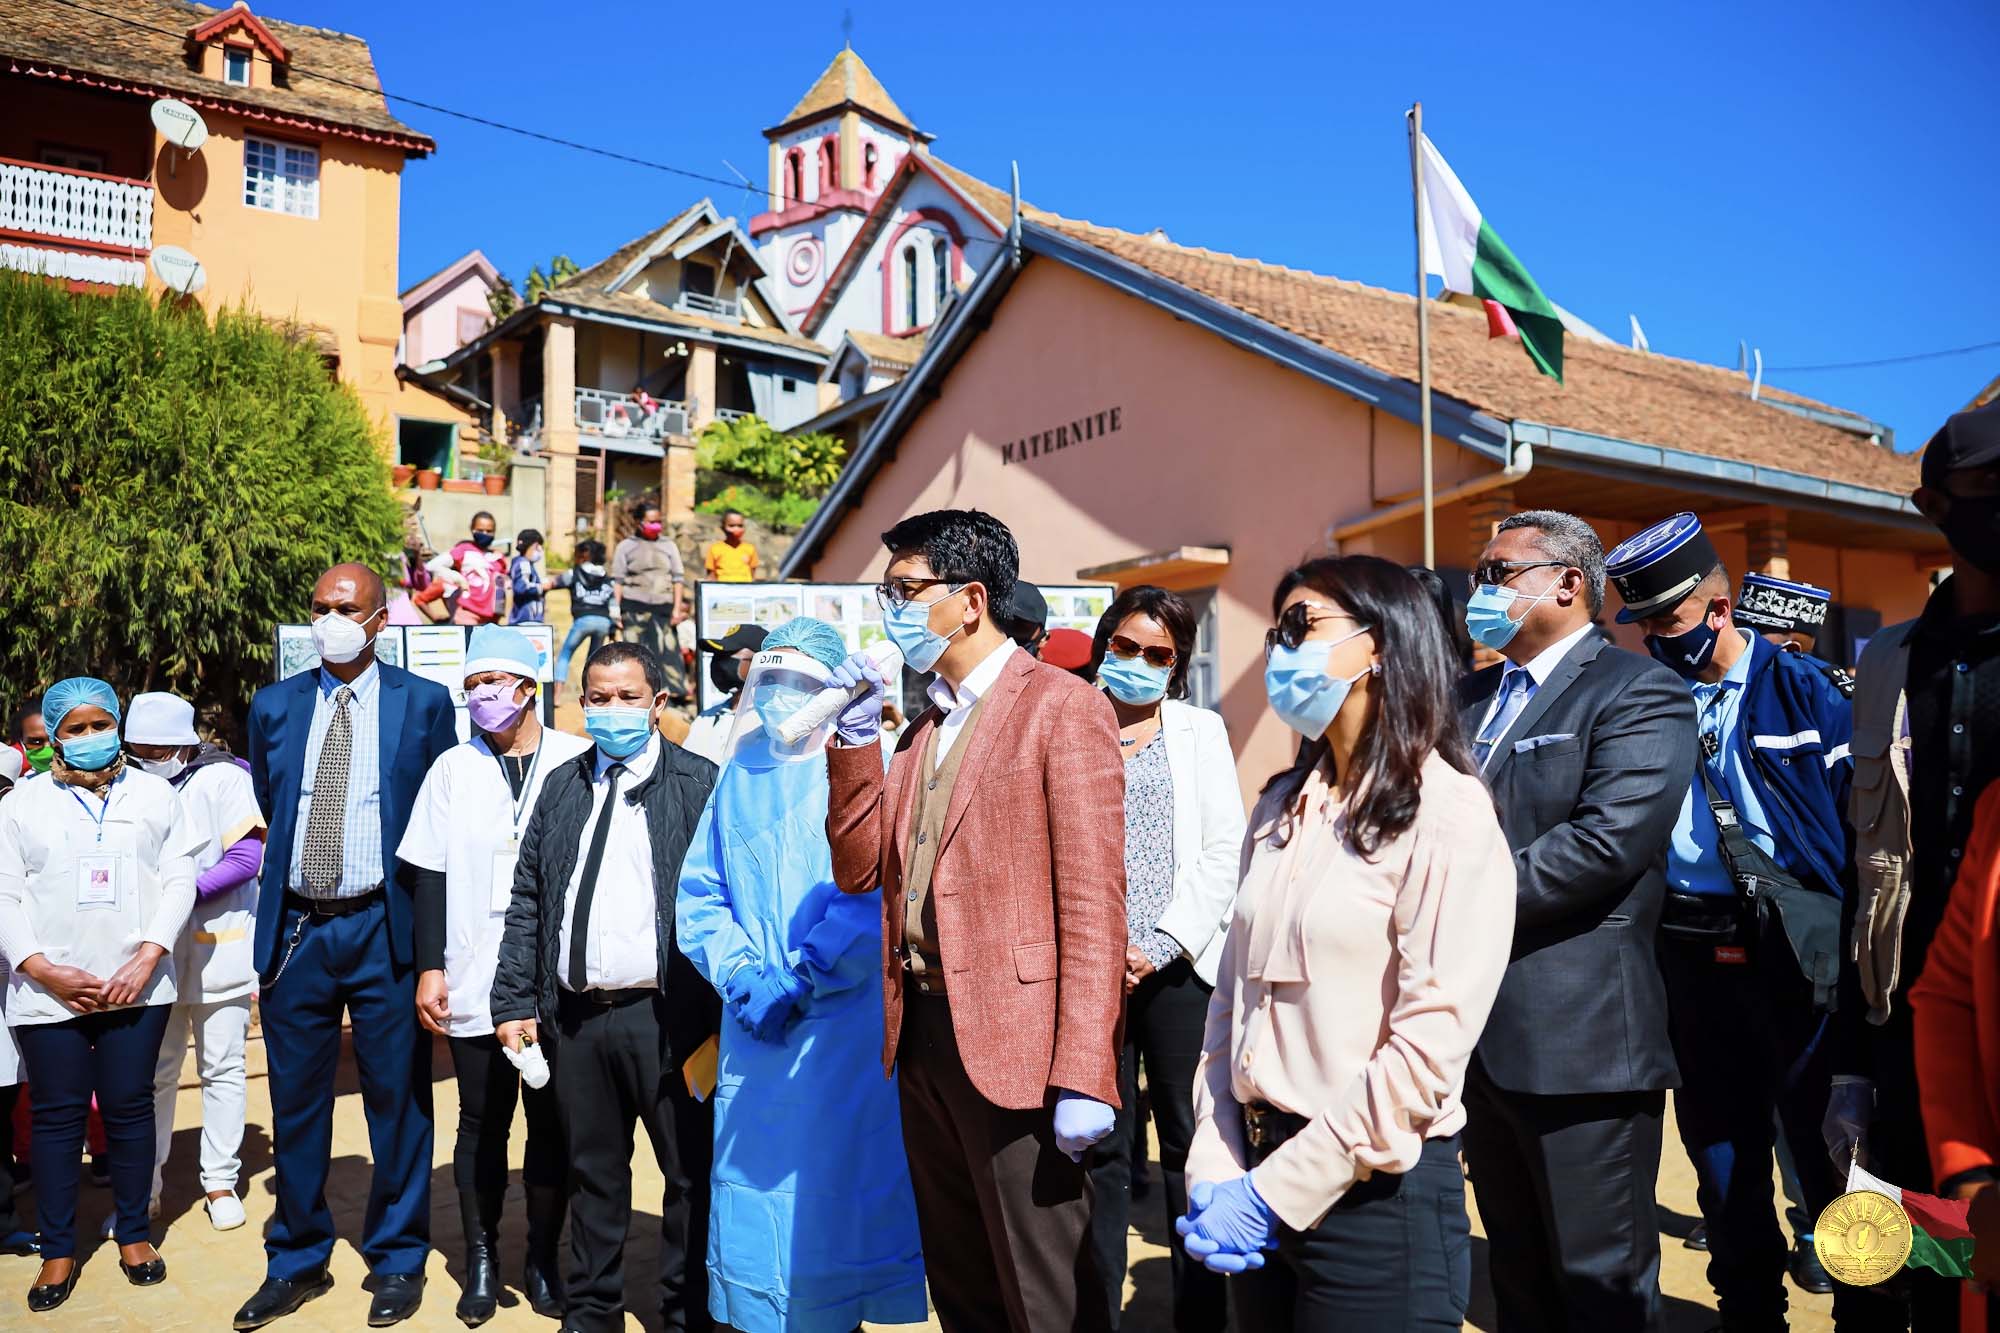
column 1588, row 750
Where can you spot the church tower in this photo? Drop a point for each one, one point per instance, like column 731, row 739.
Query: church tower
column 829, row 161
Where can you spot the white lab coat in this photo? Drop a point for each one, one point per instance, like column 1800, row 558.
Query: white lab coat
column 464, row 816
column 49, row 839
column 1208, row 833
column 213, row 959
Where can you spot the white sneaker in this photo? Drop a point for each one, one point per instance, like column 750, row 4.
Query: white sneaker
column 226, row 1213
column 111, row 1223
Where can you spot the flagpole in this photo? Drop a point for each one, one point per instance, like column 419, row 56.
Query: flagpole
column 1416, row 119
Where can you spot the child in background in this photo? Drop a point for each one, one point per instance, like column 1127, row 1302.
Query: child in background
column 732, row 560
column 484, row 571
column 593, row 605
column 529, row 578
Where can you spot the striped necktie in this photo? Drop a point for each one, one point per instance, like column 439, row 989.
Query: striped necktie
column 1514, row 690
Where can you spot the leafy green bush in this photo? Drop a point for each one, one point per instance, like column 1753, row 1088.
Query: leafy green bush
column 781, row 513
column 752, row 448
column 169, row 491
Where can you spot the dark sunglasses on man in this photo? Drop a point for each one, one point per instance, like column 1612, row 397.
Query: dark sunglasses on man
column 1500, row 571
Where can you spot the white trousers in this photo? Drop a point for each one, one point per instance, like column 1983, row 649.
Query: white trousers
column 220, row 1029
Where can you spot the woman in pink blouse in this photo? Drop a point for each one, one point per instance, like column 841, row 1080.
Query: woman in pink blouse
column 1371, row 932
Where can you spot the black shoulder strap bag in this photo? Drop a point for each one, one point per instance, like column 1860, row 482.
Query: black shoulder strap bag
column 1770, row 897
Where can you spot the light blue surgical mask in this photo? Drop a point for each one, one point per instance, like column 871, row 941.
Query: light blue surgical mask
column 775, row 705
column 1302, row 694
column 1133, row 680
column 620, row 731
column 91, row 753
column 909, row 628
column 1486, row 617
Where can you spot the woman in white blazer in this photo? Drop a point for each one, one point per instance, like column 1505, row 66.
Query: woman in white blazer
column 1183, row 843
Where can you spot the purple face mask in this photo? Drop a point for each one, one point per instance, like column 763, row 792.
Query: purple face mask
column 492, row 706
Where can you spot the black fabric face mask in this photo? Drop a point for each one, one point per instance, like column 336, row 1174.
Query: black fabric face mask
column 1972, row 526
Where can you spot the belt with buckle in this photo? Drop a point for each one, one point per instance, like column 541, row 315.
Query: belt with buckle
column 1266, row 1129
column 609, row 998
column 325, row 907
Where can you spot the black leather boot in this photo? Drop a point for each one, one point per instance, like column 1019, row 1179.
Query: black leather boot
column 541, row 1278
column 480, row 1300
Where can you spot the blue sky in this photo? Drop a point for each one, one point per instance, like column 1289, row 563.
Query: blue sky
column 1813, row 179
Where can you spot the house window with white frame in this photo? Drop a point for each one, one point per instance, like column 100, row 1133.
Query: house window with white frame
column 281, row 177
column 236, row 66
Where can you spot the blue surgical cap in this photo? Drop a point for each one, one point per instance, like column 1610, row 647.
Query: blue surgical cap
column 67, row 694
column 815, row 638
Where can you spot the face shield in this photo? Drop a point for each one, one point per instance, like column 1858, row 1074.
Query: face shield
column 775, row 686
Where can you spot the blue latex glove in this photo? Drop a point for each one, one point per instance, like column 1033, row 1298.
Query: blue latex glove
column 1228, row 1226
column 861, row 721
column 1080, row 1122
column 1850, row 1109
column 774, row 994
column 736, row 990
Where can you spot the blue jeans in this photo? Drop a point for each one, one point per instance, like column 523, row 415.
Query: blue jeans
column 111, row 1054
column 595, row 628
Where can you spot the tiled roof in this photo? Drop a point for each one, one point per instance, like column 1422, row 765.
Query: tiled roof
column 141, row 45
column 638, row 307
column 1608, row 390
column 848, row 80
column 606, row 270
column 884, row 350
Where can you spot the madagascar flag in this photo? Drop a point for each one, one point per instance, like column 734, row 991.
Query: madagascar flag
column 1940, row 1238
column 1463, row 249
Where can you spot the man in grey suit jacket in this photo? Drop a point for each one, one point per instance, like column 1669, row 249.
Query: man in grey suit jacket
column 1588, row 750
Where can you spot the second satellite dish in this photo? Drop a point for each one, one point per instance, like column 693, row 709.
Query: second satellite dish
column 178, row 270
column 179, row 124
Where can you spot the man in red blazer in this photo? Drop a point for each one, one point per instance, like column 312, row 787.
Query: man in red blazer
column 997, row 840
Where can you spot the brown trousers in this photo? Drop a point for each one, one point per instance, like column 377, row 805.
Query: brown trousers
column 1004, row 1215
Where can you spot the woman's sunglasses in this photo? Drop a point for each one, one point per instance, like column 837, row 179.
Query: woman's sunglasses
column 1298, row 621
column 1155, row 654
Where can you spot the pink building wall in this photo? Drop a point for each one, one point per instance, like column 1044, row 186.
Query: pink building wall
column 432, row 330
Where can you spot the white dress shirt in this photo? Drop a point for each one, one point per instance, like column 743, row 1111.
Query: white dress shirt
column 956, row 704
column 361, row 839
column 621, row 947
column 1539, row 667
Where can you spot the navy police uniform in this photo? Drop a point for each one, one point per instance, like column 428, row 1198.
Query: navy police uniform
column 1757, row 867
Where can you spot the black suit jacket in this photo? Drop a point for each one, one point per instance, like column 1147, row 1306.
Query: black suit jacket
column 1588, row 782
column 524, row 982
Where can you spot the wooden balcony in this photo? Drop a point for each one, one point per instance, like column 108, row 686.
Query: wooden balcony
column 77, row 225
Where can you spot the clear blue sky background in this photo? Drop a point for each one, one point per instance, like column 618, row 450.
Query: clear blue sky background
column 1813, row 178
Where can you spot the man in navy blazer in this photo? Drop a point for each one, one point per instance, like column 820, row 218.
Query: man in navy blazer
column 337, row 755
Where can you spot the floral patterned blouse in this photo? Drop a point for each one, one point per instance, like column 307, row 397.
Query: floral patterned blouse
column 1149, row 850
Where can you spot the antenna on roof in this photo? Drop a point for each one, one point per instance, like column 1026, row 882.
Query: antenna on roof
column 1757, row 384
column 1639, row 342
column 1742, row 358
column 847, row 29
column 1014, row 226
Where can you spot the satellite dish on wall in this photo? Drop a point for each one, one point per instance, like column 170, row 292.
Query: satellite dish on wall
column 179, row 270
column 179, row 124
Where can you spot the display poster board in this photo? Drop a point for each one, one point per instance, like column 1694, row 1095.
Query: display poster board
column 852, row 609
column 435, row 652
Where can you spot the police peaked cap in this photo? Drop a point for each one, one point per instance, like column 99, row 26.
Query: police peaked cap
column 1655, row 570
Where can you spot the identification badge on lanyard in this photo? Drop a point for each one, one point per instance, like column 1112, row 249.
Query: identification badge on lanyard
column 97, row 881
column 504, row 860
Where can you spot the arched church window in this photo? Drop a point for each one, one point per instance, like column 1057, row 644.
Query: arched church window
column 868, row 158
column 910, row 287
column 941, row 271
column 795, row 178
column 829, row 165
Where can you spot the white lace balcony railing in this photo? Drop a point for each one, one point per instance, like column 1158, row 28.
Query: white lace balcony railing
column 60, row 204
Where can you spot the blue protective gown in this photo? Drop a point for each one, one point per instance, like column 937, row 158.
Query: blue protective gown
column 814, row 1224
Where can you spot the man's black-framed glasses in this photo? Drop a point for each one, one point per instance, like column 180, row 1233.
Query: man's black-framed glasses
column 1499, row 571
column 898, row 592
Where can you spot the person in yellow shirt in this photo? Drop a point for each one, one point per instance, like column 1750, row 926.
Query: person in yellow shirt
column 732, row 560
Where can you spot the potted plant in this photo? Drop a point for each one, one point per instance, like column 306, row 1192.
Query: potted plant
column 400, row 474
column 428, row 478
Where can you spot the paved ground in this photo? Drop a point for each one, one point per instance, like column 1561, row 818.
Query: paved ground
column 211, row 1273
